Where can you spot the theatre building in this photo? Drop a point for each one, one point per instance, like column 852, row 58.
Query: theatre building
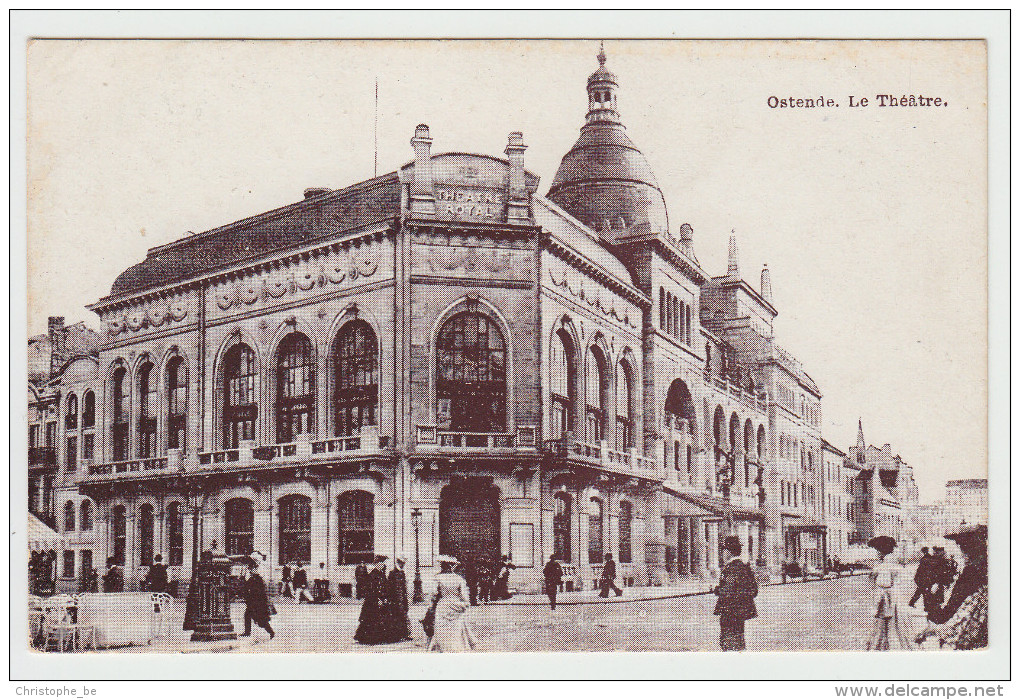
column 441, row 360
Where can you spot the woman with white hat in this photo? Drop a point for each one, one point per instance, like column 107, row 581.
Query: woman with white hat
column 451, row 631
column 889, row 631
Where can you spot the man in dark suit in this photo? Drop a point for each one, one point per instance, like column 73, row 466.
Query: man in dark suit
column 157, row 579
column 608, row 578
column 553, row 574
column 360, row 580
column 301, row 584
column 256, row 601
column 736, row 590
column 287, row 589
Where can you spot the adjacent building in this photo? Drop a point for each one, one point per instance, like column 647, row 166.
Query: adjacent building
column 885, row 493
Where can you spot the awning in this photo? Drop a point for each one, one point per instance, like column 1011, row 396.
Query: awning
column 42, row 538
column 717, row 506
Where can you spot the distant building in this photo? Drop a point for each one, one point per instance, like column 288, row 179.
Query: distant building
column 966, row 502
column 884, row 492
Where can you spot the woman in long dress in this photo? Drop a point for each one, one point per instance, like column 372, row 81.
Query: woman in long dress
column 890, row 630
column 451, row 631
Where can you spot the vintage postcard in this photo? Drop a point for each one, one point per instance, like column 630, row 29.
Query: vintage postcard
column 358, row 346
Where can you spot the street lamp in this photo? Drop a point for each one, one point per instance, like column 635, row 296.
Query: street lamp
column 418, row 596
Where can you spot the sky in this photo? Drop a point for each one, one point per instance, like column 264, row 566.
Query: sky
column 872, row 219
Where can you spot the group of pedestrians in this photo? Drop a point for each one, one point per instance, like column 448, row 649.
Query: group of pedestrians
column 487, row 580
column 383, row 618
column 961, row 622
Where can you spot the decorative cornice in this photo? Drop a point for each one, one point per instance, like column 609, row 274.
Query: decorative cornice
column 582, row 264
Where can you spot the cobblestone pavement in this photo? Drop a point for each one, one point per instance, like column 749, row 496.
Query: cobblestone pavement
column 819, row 615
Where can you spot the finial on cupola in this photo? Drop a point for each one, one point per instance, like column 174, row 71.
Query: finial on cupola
column 766, row 283
column 602, row 53
column 733, row 266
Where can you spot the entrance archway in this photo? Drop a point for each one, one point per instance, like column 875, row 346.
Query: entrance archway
column 469, row 520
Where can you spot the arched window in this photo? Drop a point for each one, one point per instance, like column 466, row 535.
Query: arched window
column 624, row 407
column 85, row 522
column 662, row 308
column 177, row 404
column 146, row 533
column 88, row 413
column 240, row 406
column 147, row 412
column 295, row 529
column 562, row 368
column 761, row 442
column 626, row 522
column 748, row 451
column 718, row 426
column 356, row 515
column 356, row 378
column 175, row 534
column 118, row 517
column 687, row 325
column 471, row 383
column 595, row 543
column 561, row 526
column 708, row 358
column 295, row 388
column 680, row 407
column 69, row 512
column 71, row 419
column 677, row 452
column 121, row 415
column 240, row 526
column 596, row 388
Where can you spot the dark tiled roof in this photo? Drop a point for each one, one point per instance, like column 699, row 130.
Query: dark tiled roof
column 292, row 225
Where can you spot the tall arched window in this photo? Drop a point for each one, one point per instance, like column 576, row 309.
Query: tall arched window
column 624, row 407
column 85, row 522
column 295, row 388
column 471, row 386
column 88, row 413
column 561, row 526
column 121, row 415
column 240, row 405
column 356, row 517
column 240, row 526
column 295, row 529
column 356, row 378
column 118, row 529
column 662, row 308
column 626, row 522
column 595, row 542
column 718, row 426
column 175, row 534
column 177, row 404
column 680, row 407
column 761, row 442
column 71, row 419
column 596, row 389
column 748, row 451
column 147, row 411
column 562, row 368
column 69, row 513
column 146, row 534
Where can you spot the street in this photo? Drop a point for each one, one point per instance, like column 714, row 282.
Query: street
column 828, row 615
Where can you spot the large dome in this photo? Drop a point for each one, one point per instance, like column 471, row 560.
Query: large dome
column 604, row 180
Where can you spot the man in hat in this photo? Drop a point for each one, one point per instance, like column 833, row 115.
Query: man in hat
column 287, row 589
column 399, row 624
column 360, row 580
column 608, row 578
column 925, row 580
column 256, row 601
column 321, row 592
column 301, row 584
column 736, row 590
column 372, row 620
column 156, row 579
column 553, row 574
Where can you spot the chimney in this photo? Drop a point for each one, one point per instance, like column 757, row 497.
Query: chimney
column 766, row 283
column 423, row 199
column 517, row 196
column 733, row 265
column 311, row 192
column 686, row 233
column 55, row 332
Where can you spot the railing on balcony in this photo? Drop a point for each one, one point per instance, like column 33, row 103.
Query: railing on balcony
column 603, row 454
column 758, row 401
column 247, row 454
column 429, row 436
column 42, row 457
column 129, row 465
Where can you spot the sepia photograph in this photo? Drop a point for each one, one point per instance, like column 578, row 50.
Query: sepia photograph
column 588, row 345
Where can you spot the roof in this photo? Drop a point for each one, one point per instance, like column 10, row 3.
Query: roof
column 285, row 227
